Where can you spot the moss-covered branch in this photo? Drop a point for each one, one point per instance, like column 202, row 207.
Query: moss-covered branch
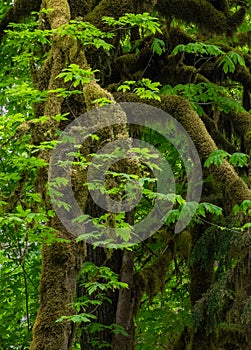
column 242, row 124
column 117, row 8
column 233, row 186
column 203, row 13
column 195, row 11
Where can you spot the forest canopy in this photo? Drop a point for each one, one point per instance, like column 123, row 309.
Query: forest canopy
column 105, row 104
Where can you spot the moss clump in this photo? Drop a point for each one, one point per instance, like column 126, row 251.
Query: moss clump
column 117, row 8
column 114, row 8
column 92, row 92
column 60, row 14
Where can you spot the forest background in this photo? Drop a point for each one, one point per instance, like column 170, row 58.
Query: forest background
column 187, row 289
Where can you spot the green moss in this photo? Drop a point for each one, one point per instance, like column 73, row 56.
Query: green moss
column 177, row 36
column 117, row 8
column 183, row 246
column 61, row 264
column 114, row 8
column 92, row 92
column 60, row 14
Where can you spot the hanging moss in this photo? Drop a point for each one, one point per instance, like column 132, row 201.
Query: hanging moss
column 152, row 279
column 114, row 8
column 183, row 246
column 210, row 16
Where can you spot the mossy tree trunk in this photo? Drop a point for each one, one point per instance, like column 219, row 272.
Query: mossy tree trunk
column 62, row 261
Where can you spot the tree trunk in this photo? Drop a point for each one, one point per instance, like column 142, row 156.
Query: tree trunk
column 105, row 313
column 62, row 261
column 124, row 312
column 61, row 265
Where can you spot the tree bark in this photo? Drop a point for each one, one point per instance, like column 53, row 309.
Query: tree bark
column 61, row 265
column 105, row 313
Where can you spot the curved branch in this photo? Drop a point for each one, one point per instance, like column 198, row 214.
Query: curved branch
column 234, row 187
column 195, row 11
column 117, row 8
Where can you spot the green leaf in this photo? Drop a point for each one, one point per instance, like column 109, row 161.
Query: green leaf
column 246, row 226
column 245, row 205
column 230, row 60
column 236, row 209
column 124, row 233
column 83, row 317
column 210, row 208
column 240, row 159
column 117, row 329
column 158, row 46
column 172, row 216
column 126, row 85
column 216, row 158
column 198, row 47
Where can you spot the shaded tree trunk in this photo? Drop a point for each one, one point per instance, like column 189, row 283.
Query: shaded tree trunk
column 125, row 305
column 201, row 278
column 105, row 313
column 61, row 265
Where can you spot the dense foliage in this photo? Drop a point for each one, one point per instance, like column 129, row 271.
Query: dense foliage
column 175, row 290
